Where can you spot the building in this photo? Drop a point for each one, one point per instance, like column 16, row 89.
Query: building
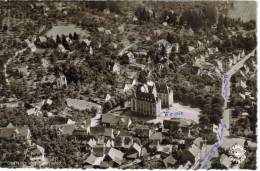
column 61, row 81
column 146, row 103
column 150, row 98
column 36, row 155
column 165, row 94
column 22, row 134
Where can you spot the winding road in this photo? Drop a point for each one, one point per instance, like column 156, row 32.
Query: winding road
column 8, row 62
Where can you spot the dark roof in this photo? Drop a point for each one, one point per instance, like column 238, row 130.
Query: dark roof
column 111, row 119
column 7, row 132
column 97, row 130
column 162, row 88
column 101, row 131
column 149, row 97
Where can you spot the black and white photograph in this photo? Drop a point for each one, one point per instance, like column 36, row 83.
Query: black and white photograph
column 128, row 84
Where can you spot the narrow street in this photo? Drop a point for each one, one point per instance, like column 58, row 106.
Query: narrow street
column 226, row 114
column 233, row 70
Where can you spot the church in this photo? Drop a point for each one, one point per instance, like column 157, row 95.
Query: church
column 150, row 98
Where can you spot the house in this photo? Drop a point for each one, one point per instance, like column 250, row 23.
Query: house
column 61, row 81
column 108, row 97
column 136, row 151
column 165, row 149
column 101, row 133
column 116, row 68
column 62, row 48
column 108, row 32
column 99, row 150
column 110, row 120
column 93, row 160
column 242, row 84
column 176, row 47
column 143, row 132
column 101, row 29
column 33, row 111
column 164, row 44
column 10, row 132
column 36, row 155
column 49, row 101
column 225, row 161
column 92, row 142
column 127, row 87
column 191, row 48
column 146, row 102
column 116, row 155
column 31, row 45
column 86, row 42
column 191, row 154
column 126, row 140
column 23, row 70
column 48, row 79
column 165, row 94
column 169, row 161
column 66, row 128
column 174, row 124
column 156, row 138
column 128, row 57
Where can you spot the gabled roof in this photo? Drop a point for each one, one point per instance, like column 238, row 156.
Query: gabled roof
column 96, row 131
column 194, row 150
column 9, row 132
column 116, row 155
column 93, row 160
column 225, row 160
column 162, row 88
column 109, row 118
column 101, row 131
column 108, row 132
column 10, row 125
column 145, row 96
column 156, row 136
column 169, row 160
column 68, row 129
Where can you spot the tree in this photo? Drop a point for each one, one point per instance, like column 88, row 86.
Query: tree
column 199, row 101
column 210, row 13
column 142, row 14
column 70, row 36
column 214, row 119
column 203, row 119
column 107, row 106
column 93, row 110
column 218, row 100
column 58, row 40
column 75, row 36
column 5, row 28
column 142, row 77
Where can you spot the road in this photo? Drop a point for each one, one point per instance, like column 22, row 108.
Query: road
column 226, row 87
column 240, row 64
column 8, row 62
column 226, row 114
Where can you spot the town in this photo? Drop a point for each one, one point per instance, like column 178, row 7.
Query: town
column 127, row 85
